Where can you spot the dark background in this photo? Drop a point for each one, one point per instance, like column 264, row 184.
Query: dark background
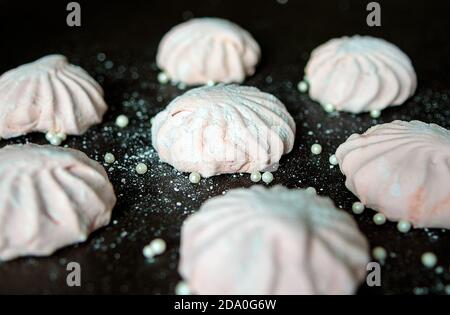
column 154, row 205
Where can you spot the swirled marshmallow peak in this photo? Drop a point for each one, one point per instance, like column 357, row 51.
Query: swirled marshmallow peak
column 401, row 169
column 223, row 129
column 202, row 50
column 360, row 74
column 49, row 95
column 50, row 197
column 272, row 241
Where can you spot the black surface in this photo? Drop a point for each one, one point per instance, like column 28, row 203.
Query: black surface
column 127, row 33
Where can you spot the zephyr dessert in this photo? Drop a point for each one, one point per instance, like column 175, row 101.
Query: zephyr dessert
column 49, row 95
column 50, row 197
column 272, row 241
column 204, row 50
column 223, row 129
column 401, row 169
column 360, row 74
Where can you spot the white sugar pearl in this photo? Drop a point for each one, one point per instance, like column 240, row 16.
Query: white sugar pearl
column 141, row 168
column 267, row 177
column 255, row 177
column 109, row 158
column 302, row 86
column 329, row 108
column 333, row 160
column 194, row 178
column 181, row 85
column 358, row 207
column 379, row 253
column 210, row 83
column 429, row 259
column 311, row 190
column 182, row 288
column 49, row 136
column 62, row 136
column 163, row 78
column 83, row 237
column 55, row 140
column 375, row 113
column 403, row 226
column 158, row 246
column 316, row 148
column 147, row 251
column 122, row 121
column 447, row 289
column 379, row 219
